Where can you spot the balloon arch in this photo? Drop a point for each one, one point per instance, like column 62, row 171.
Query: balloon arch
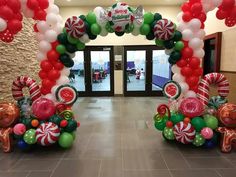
column 49, row 119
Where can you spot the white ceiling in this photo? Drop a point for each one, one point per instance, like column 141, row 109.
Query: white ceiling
column 111, row 2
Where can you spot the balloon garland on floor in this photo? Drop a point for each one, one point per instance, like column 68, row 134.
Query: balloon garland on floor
column 47, row 118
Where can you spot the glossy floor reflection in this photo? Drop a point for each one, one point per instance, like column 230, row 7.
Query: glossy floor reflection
column 117, row 139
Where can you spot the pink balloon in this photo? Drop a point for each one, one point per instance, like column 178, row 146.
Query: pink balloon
column 191, row 107
column 207, row 133
column 43, row 108
column 19, row 129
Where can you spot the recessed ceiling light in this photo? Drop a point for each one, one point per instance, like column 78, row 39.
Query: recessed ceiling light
column 68, row 0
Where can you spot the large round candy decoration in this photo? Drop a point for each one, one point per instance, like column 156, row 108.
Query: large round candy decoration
column 172, row 90
column 9, row 113
column 184, row 132
column 66, row 94
column 75, row 27
column 227, row 114
column 120, row 17
column 191, row 107
column 164, row 29
column 47, row 133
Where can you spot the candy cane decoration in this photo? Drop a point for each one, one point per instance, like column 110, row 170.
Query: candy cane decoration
column 24, row 81
column 212, row 78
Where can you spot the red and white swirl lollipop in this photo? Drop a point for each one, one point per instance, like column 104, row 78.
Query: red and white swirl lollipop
column 75, row 27
column 184, row 132
column 164, row 29
column 47, row 133
column 25, row 81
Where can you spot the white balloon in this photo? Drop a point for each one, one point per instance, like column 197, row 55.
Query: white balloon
column 208, row 5
column 137, row 24
column 42, row 26
column 53, row 9
column 190, row 93
column 39, row 37
column 179, row 16
column 200, row 34
column 72, row 55
column 51, row 19
column 199, row 53
column 175, row 69
column 44, row 46
column 194, row 24
column 178, row 77
column 63, row 80
column 187, row 34
column 58, row 28
column 195, row 43
column 40, row 56
column 3, row 24
column 182, row 26
column 104, row 32
column 51, row 35
column 168, row 51
column 217, row 3
column 65, row 71
column 84, row 38
column 50, row 97
column 135, row 31
column 184, row 87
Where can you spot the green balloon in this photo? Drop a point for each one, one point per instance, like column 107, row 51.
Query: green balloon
column 179, row 45
column 176, row 118
column 169, row 44
column 72, row 40
column 29, row 136
column 175, row 56
column 62, row 38
column 80, row 46
column 145, row 29
column 61, row 49
column 65, row 140
column 71, row 48
column 198, row 123
column 159, row 42
column 95, row 29
column 177, row 36
column 73, row 134
column 211, row 121
column 64, row 30
column 148, row 18
column 169, row 133
column 26, row 122
column 91, row 18
column 161, row 123
column 198, row 140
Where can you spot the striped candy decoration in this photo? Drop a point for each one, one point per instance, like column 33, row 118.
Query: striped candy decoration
column 184, row 132
column 212, row 78
column 25, row 81
column 164, row 29
column 47, row 133
column 75, row 27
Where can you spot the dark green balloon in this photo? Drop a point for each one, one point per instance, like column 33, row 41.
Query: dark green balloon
column 157, row 16
column 150, row 36
column 55, row 119
column 71, row 48
column 175, row 56
column 26, row 122
column 198, row 123
column 172, row 61
column 177, row 36
column 72, row 126
column 17, row 137
column 159, row 42
column 153, row 24
column 176, row 118
column 64, row 58
column 198, row 140
column 62, row 38
column 82, row 17
column 169, row 44
column 92, row 37
column 88, row 27
column 119, row 33
column 161, row 124
column 80, row 46
column 72, row 40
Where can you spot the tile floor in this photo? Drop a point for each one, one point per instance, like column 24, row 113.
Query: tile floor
column 115, row 141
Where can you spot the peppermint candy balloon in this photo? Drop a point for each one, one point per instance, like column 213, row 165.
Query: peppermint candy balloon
column 75, row 27
column 184, row 132
column 164, row 29
column 47, row 133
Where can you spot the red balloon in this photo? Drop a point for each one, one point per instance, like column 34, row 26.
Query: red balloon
column 181, row 63
column 187, row 52
column 185, row 7
column 43, row 74
column 194, row 62
column 53, row 55
column 220, row 14
column 233, row 12
column 44, row 91
column 46, row 83
column 187, row 16
column 198, row 72
column 202, row 26
column 227, row 4
column 46, row 65
column 185, row 43
column 192, row 81
column 53, row 74
column 3, row 2
column 14, row 26
column 6, row 13
column 230, row 22
column 196, row 8
column 195, row 88
column 15, row 5
column 55, row 44
column 43, row 4
column 58, row 65
column 186, row 71
column 40, row 14
column 18, row 16
column 35, row 28
column 33, row 4
column 202, row 17
column 7, row 37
